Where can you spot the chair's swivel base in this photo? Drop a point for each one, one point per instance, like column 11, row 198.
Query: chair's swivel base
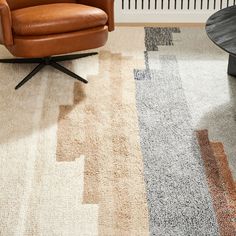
column 51, row 61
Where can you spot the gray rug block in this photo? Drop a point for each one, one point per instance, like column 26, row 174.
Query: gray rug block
column 178, row 197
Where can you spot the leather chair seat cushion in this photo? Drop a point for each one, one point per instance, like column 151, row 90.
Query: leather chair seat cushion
column 56, row 19
column 48, row 45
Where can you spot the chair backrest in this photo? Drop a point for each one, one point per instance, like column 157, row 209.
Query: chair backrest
column 16, row 4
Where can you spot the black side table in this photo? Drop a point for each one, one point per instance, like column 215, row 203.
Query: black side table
column 221, row 29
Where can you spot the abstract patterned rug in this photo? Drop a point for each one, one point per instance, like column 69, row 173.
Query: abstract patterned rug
column 148, row 147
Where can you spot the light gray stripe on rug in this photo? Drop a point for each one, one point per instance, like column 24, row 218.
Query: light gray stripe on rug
column 178, row 196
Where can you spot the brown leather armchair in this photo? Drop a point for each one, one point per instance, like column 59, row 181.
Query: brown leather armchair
column 35, row 30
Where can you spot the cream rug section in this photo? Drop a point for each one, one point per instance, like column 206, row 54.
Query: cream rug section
column 60, row 146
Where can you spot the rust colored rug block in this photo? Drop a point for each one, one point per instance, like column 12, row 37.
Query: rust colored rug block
column 221, row 184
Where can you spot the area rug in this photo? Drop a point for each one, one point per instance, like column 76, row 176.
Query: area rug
column 148, row 147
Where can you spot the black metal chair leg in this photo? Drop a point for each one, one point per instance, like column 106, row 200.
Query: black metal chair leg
column 52, row 61
column 30, row 75
column 68, row 72
column 73, row 56
column 21, row 60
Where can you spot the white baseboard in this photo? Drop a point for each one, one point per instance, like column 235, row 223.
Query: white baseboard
column 168, row 17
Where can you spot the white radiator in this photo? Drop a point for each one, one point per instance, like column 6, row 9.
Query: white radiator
column 158, row 11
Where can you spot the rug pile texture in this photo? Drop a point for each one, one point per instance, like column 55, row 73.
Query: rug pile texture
column 148, row 147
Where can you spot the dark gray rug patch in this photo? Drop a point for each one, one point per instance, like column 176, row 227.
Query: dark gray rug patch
column 155, row 37
column 143, row 74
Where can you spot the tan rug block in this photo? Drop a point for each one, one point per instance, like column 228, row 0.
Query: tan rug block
column 103, row 127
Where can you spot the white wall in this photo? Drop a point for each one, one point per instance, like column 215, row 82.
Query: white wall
column 158, row 11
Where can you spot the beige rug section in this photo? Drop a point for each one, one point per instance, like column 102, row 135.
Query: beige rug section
column 103, row 126
column 70, row 157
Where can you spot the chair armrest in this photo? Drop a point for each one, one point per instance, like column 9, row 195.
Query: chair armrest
column 105, row 5
column 5, row 24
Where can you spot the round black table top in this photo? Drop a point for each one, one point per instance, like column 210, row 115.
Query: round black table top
column 221, row 29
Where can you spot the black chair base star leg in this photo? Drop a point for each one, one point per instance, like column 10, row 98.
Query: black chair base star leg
column 22, row 60
column 30, row 75
column 68, row 72
column 73, row 56
column 52, row 61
